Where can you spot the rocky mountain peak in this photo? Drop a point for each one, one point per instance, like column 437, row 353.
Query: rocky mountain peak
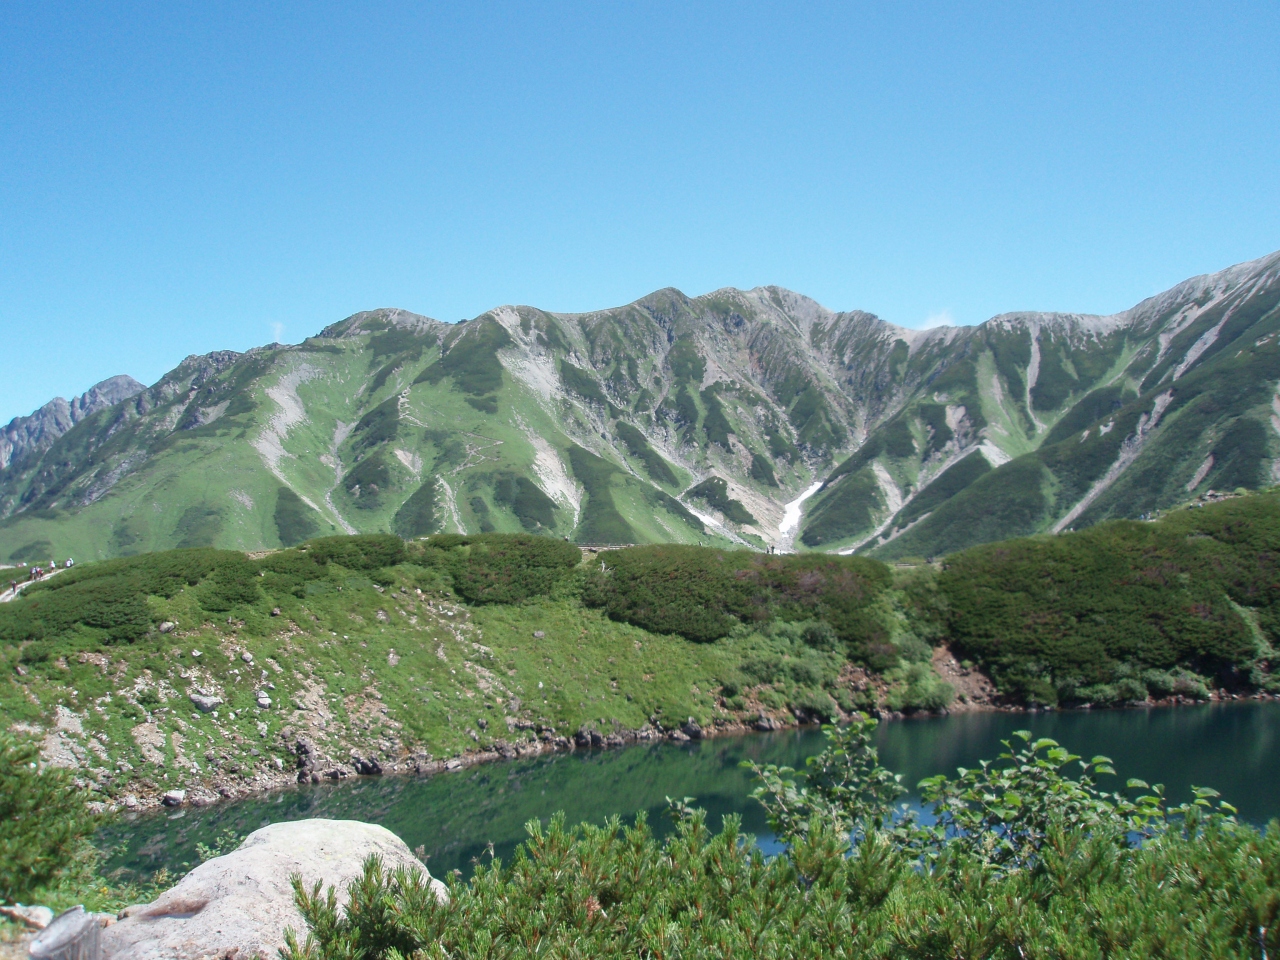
column 38, row 431
column 384, row 318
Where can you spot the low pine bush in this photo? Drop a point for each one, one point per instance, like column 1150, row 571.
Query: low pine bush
column 1092, row 614
column 502, row 567
column 702, row 594
column 1024, row 857
column 43, row 820
column 367, row 551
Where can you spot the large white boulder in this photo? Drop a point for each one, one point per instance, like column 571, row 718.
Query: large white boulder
column 237, row 906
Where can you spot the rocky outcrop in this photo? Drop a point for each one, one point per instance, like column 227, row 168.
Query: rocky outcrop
column 37, row 432
column 239, row 905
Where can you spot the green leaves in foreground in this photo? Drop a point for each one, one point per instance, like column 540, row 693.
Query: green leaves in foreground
column 1025, row 861
column 42, row 820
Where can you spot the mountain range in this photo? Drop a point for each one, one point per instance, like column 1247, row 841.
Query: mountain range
column 758, row 418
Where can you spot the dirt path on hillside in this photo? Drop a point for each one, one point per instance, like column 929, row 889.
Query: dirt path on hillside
column 8, row 594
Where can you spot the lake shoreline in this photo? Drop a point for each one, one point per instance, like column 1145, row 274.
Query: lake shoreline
column 312, row 768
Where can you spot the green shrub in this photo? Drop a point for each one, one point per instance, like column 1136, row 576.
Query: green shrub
column 780, row 446
column 943, row 487
column 366, row 551
column 814, row 705
column 380, row 425
column 35, row 552
column 601, row 522
column 716, row 424
column 368, row 479
column 1021, row 859
column 1083, row 604
column 919, row 688
column 1131, row 689
column 1034, row 691
column 486, row 404
column 1188, row 684
column 108, row 598
column 580, row 382
column 43, row 820
column 1103, row 693
column 816, row 425
column 503, row 567
column 233, row 584
column 471, row 357
column 701, row 593
column 669, row 589
column 686, row 408
column 198, row 526
column 846, row 509
column 533, row 508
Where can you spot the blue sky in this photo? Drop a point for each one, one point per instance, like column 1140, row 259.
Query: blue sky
column 179, row 178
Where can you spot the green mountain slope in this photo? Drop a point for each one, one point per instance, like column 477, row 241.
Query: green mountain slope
column 672, row 419
column 1036, row 422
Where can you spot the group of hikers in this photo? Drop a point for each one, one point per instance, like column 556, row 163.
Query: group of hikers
column 39, row 573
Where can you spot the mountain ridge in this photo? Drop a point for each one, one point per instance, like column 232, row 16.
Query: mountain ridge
column 670, row 418
column 39, row 429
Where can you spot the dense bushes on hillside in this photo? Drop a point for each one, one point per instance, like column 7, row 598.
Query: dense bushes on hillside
column 366, row 481
column 367, row 551
column 533, row 508
column 471, row 357
column 1028, row 858
column 702, row 594
column 846, row 511
column 577, row 380
column 762, row 470
column 499, row 567
column 1113, row 611
column 109, row 598
column 105, row 603
column 716, row 424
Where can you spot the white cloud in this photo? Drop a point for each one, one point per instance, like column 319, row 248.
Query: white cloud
column 939, row 318
column 277, row 332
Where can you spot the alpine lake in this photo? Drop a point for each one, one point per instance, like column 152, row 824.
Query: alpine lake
column 455, row 820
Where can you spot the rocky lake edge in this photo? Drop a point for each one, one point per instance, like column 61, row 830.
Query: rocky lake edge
column 315, row 768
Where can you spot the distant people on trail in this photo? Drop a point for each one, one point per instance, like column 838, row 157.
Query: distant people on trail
column 70, row 563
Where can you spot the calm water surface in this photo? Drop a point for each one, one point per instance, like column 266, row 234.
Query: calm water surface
column 454, row 817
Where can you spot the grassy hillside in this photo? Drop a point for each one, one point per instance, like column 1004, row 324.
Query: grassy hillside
column 375, row 649
column 366, row 645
